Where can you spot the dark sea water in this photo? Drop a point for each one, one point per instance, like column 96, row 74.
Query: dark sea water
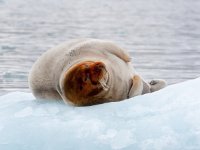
column 162, row 36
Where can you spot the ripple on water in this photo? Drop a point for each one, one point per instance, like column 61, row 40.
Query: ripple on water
column 162, row 36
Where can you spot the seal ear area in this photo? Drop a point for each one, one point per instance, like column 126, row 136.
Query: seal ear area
column 137, row 86
column 81, row 82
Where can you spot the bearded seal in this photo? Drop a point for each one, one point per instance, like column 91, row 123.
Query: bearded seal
column 86, row 72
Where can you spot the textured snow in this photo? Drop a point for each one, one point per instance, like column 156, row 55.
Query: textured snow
column 167, row 119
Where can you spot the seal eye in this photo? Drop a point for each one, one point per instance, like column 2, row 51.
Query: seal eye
column 98, row 68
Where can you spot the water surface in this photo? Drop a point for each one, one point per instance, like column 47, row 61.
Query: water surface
column 163, row 36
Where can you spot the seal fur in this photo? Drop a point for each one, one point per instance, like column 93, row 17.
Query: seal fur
column 87, row 72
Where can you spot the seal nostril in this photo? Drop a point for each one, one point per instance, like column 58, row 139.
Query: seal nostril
column 94, row 83
column 87, row 77
column 87, row 72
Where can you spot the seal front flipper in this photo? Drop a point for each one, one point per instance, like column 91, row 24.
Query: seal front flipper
column 137, row 86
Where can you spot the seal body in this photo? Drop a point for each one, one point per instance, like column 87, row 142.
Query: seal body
column 86, row 72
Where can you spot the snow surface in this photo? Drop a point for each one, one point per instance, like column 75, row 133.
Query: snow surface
column 165, row 120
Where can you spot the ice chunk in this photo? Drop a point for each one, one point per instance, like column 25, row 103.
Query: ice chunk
column 23, row 113
column 166, row 119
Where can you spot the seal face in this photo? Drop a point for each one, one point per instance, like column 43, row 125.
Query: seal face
column 84, row 81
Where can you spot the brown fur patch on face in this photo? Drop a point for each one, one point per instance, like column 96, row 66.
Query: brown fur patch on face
column 82, row 83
